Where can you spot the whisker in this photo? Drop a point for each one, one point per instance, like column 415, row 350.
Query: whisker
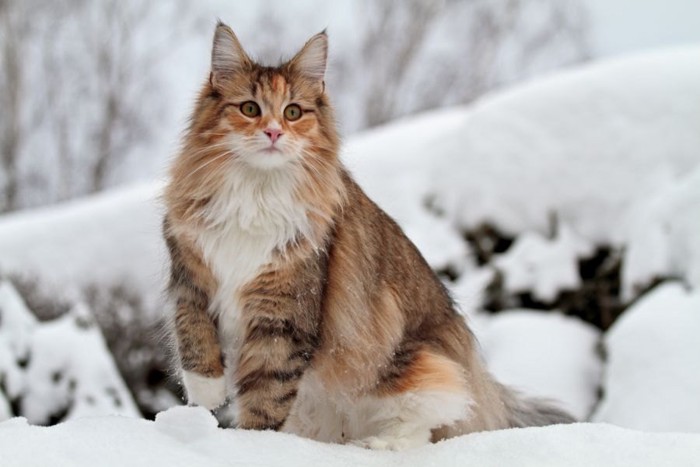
column 207, row 148
column 223, row 154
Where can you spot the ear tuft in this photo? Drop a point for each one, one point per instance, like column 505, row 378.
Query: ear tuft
column 311, row 59
column 227, row 55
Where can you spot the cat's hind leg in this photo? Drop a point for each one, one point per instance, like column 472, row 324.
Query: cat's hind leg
column 406, row 421
column 431, row 392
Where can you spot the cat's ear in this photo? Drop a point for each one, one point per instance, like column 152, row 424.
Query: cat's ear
column 311, row 59
column 227, row 55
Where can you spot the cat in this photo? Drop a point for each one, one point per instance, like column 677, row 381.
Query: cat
column 294, row 293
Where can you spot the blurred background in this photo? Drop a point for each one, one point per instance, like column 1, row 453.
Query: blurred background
column 94, row 93
column 543, row 154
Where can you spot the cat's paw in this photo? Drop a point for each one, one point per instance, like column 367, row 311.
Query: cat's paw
column 387, row 443
column 203, row 390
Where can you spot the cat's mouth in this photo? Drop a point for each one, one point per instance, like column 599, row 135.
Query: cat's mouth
column 269, row 157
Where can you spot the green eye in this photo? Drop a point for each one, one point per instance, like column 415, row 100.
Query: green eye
column 250, row 109
column 292, row 112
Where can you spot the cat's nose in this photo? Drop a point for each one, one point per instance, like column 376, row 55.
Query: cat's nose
column 273, row 134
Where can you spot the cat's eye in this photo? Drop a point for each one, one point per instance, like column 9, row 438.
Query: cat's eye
column 292, row 112
column 250, row 109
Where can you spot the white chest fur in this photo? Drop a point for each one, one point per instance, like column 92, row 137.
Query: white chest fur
column 254, row 214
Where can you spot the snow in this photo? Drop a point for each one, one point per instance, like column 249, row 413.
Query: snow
column 544, row 354
column 186, row 436
column 652, row 378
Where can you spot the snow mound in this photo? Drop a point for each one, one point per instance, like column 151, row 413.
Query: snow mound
column 109, row 238
column 187, row 436
column 653, row 371
column 544, row 354
column 664, row 236
column 582, row 145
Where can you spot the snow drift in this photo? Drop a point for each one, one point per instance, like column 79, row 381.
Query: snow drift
column 186, row 436
column 653, row 370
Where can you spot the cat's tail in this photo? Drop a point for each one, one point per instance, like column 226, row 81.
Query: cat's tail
column 527, row 411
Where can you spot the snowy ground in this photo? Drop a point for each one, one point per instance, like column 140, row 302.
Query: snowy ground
column 187, row 437
column 609, row 153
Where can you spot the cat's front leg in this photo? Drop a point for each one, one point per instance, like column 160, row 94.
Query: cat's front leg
column 195, row 331
column 200, row 358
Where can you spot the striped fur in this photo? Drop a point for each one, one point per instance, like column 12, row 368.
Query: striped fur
column 298, row 297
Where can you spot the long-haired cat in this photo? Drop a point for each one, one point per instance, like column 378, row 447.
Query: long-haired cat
column 295, row 294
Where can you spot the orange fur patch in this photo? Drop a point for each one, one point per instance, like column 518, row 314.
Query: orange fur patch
column 430, row 371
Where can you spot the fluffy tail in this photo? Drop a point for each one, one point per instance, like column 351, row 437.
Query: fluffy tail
column 522, row 412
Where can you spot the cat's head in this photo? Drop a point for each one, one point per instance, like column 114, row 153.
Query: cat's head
column 262, row 143
column 268, row 118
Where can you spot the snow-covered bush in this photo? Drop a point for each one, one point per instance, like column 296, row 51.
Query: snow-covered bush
column 56, row 370
column 542, row 265
column 583, row 145
column 16, row 327
column 606, row 154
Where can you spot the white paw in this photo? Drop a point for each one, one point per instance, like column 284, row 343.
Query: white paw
column 203, row 390
column 385, row 442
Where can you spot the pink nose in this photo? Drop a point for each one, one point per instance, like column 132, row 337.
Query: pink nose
column 273, row 134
